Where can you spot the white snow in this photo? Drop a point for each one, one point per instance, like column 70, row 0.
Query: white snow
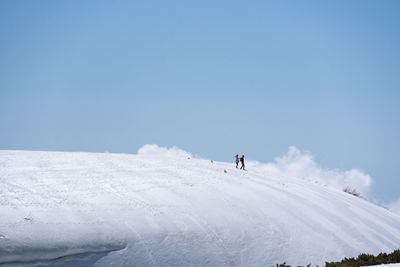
column 169, row 209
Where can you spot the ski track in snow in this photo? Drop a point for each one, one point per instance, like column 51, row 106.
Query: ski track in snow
column 92, row 209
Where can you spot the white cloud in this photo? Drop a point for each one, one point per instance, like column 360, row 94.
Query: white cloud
column 298, row 164
column 157, row 151
column 395, row 206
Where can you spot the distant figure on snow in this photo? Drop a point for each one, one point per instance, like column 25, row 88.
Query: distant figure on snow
column 237, row 160
column 242, row 161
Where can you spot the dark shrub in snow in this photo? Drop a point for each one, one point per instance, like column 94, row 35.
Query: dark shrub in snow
column 352, row 192
column 368, row 260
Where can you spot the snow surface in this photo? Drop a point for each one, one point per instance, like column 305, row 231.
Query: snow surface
column 170, row 209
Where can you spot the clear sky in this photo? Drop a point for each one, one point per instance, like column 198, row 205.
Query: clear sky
column 214, row 78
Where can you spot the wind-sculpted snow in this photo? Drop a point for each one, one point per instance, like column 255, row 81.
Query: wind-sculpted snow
column 173, row 210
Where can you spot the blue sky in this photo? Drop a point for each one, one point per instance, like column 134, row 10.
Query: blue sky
column 215, row 78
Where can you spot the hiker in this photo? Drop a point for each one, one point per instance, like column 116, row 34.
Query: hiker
column 242, row 161
column 237, row 160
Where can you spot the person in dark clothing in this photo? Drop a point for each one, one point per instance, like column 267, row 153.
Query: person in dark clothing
column 237, row 160
column 242, row 161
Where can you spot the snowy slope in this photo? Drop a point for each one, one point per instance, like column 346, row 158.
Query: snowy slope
column 84, row 209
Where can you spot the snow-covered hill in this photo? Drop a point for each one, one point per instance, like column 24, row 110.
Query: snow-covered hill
column 84, row 209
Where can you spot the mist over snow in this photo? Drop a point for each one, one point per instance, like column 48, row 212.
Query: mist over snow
column 294, row 164
column 153, row 150
column 298, row 164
